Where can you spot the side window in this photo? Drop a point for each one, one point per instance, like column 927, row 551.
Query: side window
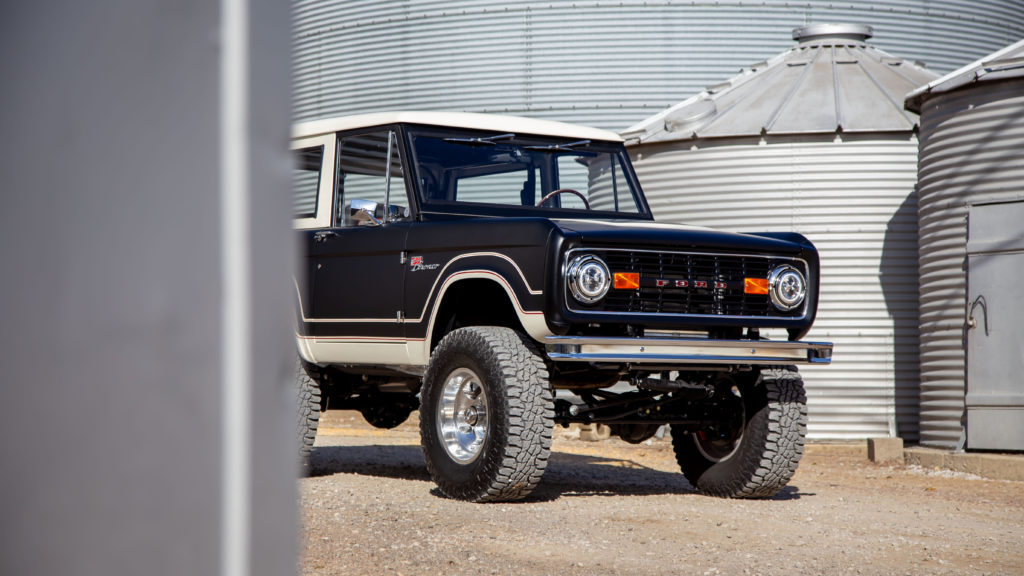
column 364, row 171
column 306, row 180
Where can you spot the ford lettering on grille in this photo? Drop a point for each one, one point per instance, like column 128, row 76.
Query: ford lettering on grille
column 691, row 283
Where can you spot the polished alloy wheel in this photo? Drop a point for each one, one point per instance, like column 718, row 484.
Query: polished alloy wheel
column 719, row 444
column 462, row 416
column 715, row 447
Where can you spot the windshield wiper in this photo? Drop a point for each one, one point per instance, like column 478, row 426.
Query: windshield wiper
column 570, row 147
column 483, row 141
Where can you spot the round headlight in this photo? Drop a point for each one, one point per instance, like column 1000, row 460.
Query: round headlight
column 787, row 287
column 588, row 278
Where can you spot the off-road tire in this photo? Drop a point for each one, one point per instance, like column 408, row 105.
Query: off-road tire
column 520, row 415
column 307, row 395
column 766, row 456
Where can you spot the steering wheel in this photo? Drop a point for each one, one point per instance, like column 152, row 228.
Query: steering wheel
column 554, row 193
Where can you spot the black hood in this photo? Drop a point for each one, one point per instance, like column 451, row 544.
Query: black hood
column 623, row 233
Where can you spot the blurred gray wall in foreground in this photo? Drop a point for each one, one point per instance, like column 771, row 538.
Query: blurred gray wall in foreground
column 112, row 291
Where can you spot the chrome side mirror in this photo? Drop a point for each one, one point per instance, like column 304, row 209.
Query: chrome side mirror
column 363, row 211
column 396, row 212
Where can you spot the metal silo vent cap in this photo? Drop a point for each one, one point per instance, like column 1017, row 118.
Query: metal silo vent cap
column 825, row 33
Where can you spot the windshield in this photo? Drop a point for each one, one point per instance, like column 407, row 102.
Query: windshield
column 488, row 173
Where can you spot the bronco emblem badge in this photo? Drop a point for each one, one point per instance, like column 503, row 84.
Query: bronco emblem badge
column 416, row 264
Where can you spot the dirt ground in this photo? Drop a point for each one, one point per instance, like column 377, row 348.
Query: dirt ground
column 368, row 507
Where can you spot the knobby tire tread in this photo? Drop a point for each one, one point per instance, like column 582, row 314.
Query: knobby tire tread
column 307, row 389
column 513, row 468
column 771, row 447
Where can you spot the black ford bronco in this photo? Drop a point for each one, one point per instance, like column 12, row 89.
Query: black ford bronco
column 503, row 275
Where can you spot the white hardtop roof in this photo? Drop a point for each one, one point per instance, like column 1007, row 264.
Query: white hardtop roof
column 468, row 120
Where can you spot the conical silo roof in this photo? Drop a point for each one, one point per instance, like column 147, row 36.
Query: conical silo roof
column 1001, row 65
column 831, row 81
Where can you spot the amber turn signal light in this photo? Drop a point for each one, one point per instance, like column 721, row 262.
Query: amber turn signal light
column 755, row 286
column 627, row 281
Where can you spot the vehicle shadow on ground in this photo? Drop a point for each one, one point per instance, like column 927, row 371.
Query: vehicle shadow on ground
column 399, row 462
column 567, row 475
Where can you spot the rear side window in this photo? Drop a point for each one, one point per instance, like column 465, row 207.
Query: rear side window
column 306, row 180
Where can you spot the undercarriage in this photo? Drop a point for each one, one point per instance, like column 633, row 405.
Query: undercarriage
column 689, row 401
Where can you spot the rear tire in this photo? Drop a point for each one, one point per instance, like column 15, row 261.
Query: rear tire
column 307, row 393
column 487, row 415
column 759, row 456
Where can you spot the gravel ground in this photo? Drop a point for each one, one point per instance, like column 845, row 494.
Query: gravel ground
column 368, row 507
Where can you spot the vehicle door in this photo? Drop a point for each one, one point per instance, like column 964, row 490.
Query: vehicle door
column 312, row 196
column 359, row 271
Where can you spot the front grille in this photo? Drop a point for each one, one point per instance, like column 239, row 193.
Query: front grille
column 691, row 283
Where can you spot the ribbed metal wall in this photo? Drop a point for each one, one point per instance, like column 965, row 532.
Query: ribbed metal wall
column 971, row 152
column 603, row 63
column 855, row 200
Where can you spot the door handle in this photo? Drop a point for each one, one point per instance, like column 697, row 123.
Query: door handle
column 324, row 235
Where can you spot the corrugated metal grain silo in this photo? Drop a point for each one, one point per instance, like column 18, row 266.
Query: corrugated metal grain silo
column 607, row 63
column 972, row 254
column 815, row 140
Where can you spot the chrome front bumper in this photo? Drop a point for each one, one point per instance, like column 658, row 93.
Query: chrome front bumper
column 665, row 350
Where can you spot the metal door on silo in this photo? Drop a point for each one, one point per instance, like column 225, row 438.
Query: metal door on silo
column 995, row 330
